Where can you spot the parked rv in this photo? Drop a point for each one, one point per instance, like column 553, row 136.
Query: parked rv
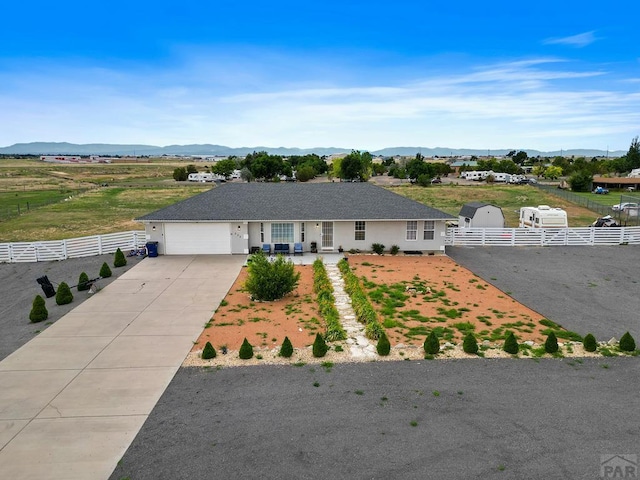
column 201, row 177
column 543, row 216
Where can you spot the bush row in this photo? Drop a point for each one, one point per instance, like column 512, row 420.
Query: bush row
column 327, row 302
column 365, row 313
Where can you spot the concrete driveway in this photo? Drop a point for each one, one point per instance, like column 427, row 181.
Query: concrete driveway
column 73, row 398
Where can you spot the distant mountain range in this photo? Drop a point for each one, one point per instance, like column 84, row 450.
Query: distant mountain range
column 63, row 148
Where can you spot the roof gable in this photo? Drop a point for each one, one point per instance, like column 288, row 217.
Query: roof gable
column 296, row 201
column 469, row 209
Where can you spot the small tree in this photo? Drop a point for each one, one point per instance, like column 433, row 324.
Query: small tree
column 246, row 350
column 119, row 260
column 180, row 174
column 627, row 343
column 38, row 310
column 470, row 344
column 105, row 271
column 83, row 282
column 431, row 344
column 64, row 295
column 208, row 351
column 271, row 280
column 383, row 346
column 286, row 350
column 511, row 344
column 589, row 343
column 319, row 346
column 551, row 343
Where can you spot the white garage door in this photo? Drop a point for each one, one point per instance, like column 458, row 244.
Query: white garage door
column 197, row 238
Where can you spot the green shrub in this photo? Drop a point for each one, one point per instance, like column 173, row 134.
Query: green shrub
column 326, row 302
column 511, row 344
column 105, row 271
column 394, row 249
column 470, row 344
column 424, row 180
column 270, row 280
column 246, row 350
column 119, row 260
column 377, row 248
column 627, row 343
column 383, row 347
column 83, row 282
column 432, row 344
column 551, row 343
column 208, row 351
column 365, row 313
column 589, row 343
column 64, row 295
column 286, row 350
column 319, row 346
column 38, row 310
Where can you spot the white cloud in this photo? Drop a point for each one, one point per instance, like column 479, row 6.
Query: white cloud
column 579, row 41
column 532, row 103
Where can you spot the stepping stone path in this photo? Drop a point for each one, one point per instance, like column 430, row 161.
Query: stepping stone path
column 359, row 345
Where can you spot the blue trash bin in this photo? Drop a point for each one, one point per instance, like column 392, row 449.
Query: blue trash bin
column 152, row 249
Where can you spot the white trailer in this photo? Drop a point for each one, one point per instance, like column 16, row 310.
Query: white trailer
column 200, row 177
column 476, row 175
column 543, row 216
column 502, row 177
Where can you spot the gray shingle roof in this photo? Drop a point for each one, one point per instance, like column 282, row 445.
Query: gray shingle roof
column 296, row 201
column 469, row 209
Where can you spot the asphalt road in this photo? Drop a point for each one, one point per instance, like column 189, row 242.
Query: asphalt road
column 459, row 419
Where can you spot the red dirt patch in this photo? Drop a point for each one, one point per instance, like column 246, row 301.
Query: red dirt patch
column 265, row 324
column 414, row 295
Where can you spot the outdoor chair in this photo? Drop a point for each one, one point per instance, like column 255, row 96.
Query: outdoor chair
column 266, row 248
column 297, row 249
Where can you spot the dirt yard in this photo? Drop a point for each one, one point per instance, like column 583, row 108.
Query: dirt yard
column 413, row 295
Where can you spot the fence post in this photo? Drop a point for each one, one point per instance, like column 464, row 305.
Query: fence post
column 513, row 237
column 64, row 249
column 99, row 244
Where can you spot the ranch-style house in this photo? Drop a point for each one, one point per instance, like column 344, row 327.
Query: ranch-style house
column 240, row 218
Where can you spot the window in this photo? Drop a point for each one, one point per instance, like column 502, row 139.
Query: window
column 261, row 232
column 302, row 232
column 282, row 233
column 429, row 230
column 360, row 227
column 412, row 230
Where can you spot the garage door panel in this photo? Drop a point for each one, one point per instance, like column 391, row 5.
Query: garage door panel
column 197, row 238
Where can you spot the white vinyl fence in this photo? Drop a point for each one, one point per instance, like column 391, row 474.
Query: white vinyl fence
column 71, row 247
column 513, row 237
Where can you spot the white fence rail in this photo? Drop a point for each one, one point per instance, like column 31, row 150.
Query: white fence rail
column 70, row 248
column 514, row 237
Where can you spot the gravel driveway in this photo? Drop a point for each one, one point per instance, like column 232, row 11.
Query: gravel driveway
column 19, row 287
column 459, row 419
column 585, row 289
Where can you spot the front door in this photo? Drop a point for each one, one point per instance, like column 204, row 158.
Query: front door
column 327, row 236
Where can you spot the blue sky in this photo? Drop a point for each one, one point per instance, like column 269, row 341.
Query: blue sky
column 355, row 74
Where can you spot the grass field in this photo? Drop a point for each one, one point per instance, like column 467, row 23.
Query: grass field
column 77, row 204
column 450, row 198
column 67, row 200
